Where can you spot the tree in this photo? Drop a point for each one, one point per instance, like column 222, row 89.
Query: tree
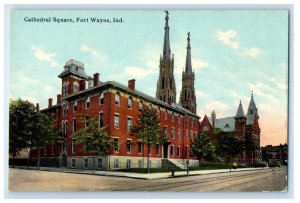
column 94, row 140
column 230, row 147
column 203, row 148
column 148, row 130
column 28, row 128
column 21, row 114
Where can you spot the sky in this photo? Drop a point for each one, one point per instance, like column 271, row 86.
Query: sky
column 233, row 54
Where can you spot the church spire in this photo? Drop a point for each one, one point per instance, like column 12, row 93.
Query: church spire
column 252, row 107
column 240, row 111
column 188, row 62
column 167, row 50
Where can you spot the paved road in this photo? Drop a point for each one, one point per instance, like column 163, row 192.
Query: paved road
column 260, row 180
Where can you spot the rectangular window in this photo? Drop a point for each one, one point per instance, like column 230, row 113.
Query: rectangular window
column 101, row 119
column 86, row 163
column 187, row 135
column 157, row 149
column 128, row 146
column 117, row 120
column 179, row 134
column 140, row 164
column 129, row 123
column 67, row 108
column 101, row 98
column 191, row 134
column 128, row 163
column 130, row 102
column 166, row 115
column 116, row 144
column 166, row 131
column 172, row 133
column 178, row 151
column 116, row 163
column 73, row 163
column 75, row 106
column 87, row 103
column 173, row 117
column 140, row 147
column 74, row 124
column 73, row 146
column 179, row 119
column 99, row 163
column 172, row 150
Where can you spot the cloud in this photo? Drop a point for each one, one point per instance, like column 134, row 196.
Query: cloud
column 153, row 64
column 137, row 72
column 229, row 38
column 42, row 55
column 260, row 89
column 253, row 52
column 97, row 54
column 25, row 79
column 197, row 64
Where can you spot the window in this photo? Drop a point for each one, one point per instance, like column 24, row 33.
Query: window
column 65, row 88
column 172, row 133
column 87, row 103
column 166, row 115
column 129, row 123
column 64, row 109
column 158, row 112
column 99, row 163
column 150, row 149
column 172, row 150
column 179, row 119
column 63, row 127
column 140, row 147
column 86, row 122
column 116, row 163
column 178, row 151
column 128, row 146
column 157, row 149
column 117, row 120
column 73, row 146
column 179, row 134
column 166, row 131
column 75, row 106
column 74, row 124
column 192, row 122
column 86, row 163
column 205, row 128
column 192, row 135
column 141, row 105
column 101, row 119
column 140, row 163
column 75, row 87
column 130, row 102
column 186, row 151
column 173, row 117
column 101, row 98
column 116, row 144
column 117, row 98
column 73, row 163
column 128, row 163
column 67, row 108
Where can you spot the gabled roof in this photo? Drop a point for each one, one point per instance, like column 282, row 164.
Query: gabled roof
column 225, row 124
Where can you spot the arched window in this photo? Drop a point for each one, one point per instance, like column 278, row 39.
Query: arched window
column 141, row 105
column 87, row 104
column 166, row 114
column 130, row 102
column 101, row 98
column 75, row 87
column 163, row 83
column 75, row 106
column 117, row 98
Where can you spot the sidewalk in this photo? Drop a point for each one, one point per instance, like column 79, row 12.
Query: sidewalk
column 150, row 176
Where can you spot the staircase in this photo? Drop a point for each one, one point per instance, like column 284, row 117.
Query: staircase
column 169, row 163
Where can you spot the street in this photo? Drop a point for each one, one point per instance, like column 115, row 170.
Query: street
column 255, row 181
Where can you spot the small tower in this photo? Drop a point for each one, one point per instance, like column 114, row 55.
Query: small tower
column 240, row 122
column 166, row 88
column 187, row 95
column 71, row 76
column 213, row 118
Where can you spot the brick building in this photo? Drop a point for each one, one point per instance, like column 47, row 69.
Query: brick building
column 117, row 106
column 239, row 125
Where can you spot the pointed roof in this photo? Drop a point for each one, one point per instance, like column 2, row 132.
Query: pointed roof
column 188, row 61
column 167, row 50
column 252, row 107
column 213, row 112
column 240, row 111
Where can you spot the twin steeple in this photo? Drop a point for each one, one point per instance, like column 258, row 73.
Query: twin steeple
column 167, row 50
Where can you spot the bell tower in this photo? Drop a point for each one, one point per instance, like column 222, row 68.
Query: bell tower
column 166, row 88
column 187, row 94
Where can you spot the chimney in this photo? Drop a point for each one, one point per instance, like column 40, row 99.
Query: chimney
column 37, row 107
column 58, row 99
column 81, row 85
column 96, row 79
column 50, row 102
column 131, row 84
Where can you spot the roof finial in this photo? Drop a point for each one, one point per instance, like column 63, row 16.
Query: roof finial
column 166, row 49
column 167, row 12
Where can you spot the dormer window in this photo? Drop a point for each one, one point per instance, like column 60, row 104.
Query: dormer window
column 117, row 98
